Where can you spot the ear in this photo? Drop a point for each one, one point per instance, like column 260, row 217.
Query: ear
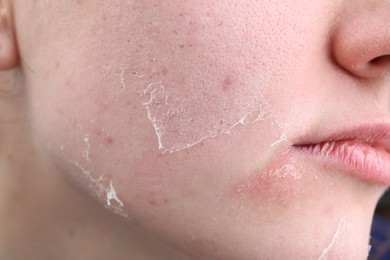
column 9, row 55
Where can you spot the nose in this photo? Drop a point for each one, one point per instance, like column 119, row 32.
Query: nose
column 361, row 39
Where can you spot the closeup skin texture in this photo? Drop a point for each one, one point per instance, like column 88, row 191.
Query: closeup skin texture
column 182, row 119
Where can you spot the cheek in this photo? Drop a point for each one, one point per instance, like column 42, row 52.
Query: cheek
column 165, row 80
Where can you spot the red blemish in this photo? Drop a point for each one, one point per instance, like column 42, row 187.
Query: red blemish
column 68, row 82
column 165, row 71
column 98, row 132
column 60, row 112
column 156, row 199
column 181, row 46
column 227, row 84
column 263, row 185
column 109, row 140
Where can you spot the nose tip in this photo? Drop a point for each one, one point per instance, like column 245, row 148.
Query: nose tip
column 361, row 40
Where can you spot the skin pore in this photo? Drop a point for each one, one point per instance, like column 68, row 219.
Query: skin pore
column 164, row 129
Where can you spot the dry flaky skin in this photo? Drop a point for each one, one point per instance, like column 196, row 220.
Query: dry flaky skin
column 181, row 122
column 343, row 233
column 181, row 115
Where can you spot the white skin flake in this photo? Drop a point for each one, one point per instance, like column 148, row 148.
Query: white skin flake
column 283, row 138
column 111, row 197
column 110, row 192
column 343, row 228
column 121, row 76
column 285, row 171
column 182, row 122
column 87, row 149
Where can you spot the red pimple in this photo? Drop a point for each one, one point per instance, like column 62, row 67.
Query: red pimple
column 109, row 140
column 227, row 84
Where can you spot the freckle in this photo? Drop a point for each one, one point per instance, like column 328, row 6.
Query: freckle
column 165, row 71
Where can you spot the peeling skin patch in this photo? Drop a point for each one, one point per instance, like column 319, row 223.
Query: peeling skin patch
column 285, row 171
column 97, row 182
column 283, row 138
column 343, row 228
column 121, row 76
column 101, row 191
column 181, row 122
column 111, row 197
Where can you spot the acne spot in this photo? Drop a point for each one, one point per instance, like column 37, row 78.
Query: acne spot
column 165, row 71
column 109, row 140
column 227, row 84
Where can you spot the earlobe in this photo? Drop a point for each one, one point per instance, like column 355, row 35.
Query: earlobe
column 9, row 57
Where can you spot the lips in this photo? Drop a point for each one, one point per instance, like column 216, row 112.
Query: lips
column 362, row 152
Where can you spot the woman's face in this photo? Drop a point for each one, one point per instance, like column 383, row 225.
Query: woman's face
column 185, row 116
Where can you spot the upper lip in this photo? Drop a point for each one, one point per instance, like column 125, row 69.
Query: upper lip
column 375, row 135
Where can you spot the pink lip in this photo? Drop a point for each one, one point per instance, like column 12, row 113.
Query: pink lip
column 363, row 152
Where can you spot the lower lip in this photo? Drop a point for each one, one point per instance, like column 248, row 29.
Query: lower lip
column 360, row 160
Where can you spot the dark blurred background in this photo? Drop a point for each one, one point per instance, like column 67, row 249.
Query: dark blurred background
column 380, row 231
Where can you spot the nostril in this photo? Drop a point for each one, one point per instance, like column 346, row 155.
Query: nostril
column 381, row 60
